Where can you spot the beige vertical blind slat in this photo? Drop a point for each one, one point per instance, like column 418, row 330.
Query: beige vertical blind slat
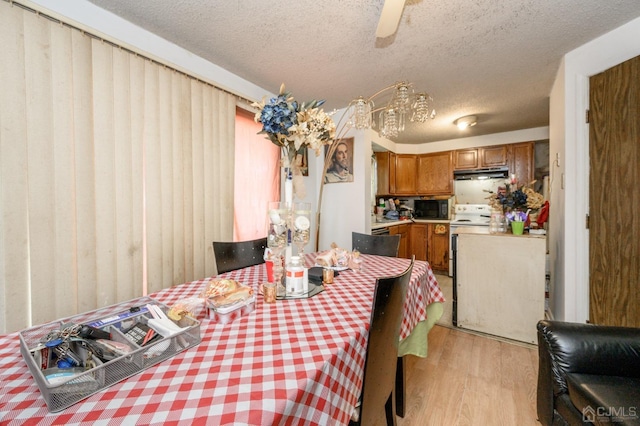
column 85, row 187
column 128, row 154
column 153, row 187
column 197, row 170
column 210, row 201
column 41, row 188
column 105, row 179
column 166, row 175
column 180, row 117
column 64, row 250
column 136, row 119
column 15, row 302
column 187, row 160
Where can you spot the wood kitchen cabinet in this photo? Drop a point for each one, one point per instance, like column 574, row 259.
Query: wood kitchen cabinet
column 405, row 174
column 435, row 173
column 396, row 173
column 403, row 231
column 481, row 158
column 430, row 242
column 383, row 161
column 494, row 156
column 465, row 159
column 418, row 241
column 438, row 246
column 522, row 162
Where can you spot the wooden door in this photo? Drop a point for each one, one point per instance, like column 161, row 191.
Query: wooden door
column 614, row 197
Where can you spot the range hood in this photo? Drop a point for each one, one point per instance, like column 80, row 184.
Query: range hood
column 496, row 173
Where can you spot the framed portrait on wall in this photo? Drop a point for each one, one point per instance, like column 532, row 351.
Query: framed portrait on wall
column 341, row 165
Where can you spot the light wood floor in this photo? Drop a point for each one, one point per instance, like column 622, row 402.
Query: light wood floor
column 468, row 379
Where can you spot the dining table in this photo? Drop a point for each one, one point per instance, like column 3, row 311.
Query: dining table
column 295, row 361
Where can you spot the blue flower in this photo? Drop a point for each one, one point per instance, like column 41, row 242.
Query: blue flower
column 278, row 116
column 291, row 125
column 512, row 199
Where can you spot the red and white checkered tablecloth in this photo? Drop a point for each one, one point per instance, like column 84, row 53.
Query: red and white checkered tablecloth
column 293, row 362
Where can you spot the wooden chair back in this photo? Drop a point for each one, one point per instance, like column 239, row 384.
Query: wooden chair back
column 378, row 388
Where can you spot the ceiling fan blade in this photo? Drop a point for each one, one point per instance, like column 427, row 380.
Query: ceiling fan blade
column 389, row 18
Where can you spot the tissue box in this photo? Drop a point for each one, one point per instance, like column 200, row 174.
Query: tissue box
column 226, row 314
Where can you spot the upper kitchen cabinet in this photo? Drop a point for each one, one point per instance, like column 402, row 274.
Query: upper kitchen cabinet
column 383, row 161
column 480, row 158
column 405, row 174
column 466, row 159
column 522, row 162
column 396, row 173
column 435, row 173
column 493, row 156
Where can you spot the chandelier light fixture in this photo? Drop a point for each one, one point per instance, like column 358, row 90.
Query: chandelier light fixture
column 360, row 114
column 392, row 116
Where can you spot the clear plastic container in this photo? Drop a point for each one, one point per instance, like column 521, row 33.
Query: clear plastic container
column 227, row 314
column 294, row 281
column 497, row 222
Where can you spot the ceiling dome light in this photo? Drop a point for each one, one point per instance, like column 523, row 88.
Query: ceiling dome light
column 464, row 122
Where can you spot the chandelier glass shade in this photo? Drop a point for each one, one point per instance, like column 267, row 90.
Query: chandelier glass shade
column 392, row 115
column 403, row 104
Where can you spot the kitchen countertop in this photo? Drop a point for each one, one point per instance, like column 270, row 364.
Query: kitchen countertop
column 386, row 224
column 484, row 230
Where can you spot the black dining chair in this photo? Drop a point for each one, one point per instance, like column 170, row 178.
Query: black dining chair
column 382, row 245
column 240, row 254
column 378, row 387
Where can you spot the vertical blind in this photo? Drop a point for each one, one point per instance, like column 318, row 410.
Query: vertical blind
column 116, row 172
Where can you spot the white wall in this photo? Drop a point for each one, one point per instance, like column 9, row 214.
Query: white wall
column 557, row 195
column 345, row 206
column 525, row 135
column 569, row 137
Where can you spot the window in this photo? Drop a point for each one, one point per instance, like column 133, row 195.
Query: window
column 257, row 178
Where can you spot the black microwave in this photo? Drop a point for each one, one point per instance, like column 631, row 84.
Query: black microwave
column 431, row 209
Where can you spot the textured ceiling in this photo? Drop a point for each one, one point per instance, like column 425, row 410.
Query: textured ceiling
column 496, row 59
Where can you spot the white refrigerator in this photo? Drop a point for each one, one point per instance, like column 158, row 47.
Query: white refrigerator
column 500, row 284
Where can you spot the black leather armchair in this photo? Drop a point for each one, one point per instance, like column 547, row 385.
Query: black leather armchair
column 588, row 374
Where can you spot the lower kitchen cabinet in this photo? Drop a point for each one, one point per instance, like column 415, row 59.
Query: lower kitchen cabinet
column 430, row 242
column 438, row 246
column 403, row 231
column 418, row 241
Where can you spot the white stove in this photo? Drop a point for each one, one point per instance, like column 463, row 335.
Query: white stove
column 466, row 215
column 471, row 214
